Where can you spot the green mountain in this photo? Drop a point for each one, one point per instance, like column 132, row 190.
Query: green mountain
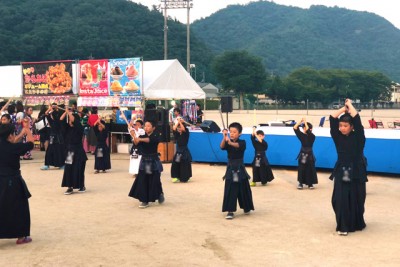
column 73, row 29
column 287, row 38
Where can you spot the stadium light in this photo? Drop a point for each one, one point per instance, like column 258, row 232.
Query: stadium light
column 175, row 4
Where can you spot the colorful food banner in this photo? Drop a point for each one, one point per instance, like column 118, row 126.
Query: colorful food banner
column 45, row 100
column 47, row 78
column 125, row 76
column 93, row 77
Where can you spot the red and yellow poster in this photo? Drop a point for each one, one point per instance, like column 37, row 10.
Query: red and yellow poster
column 93, row 77
column 47, row 78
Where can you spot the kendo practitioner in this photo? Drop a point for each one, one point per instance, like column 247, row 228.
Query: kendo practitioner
column 102, row 161
column 75, row 158
column 237, row 187
column 55, row 153
column 147, row 186
column 15, row 219
column 181, row 167
column 350, row 171
column 262, row 171
column 306, row 173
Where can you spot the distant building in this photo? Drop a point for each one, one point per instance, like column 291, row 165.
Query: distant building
column 395, row 89
column 211, row 90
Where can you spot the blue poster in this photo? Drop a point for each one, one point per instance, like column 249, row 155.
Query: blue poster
column 125, row 77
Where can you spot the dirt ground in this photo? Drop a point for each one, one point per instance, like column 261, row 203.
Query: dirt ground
column 289, row 227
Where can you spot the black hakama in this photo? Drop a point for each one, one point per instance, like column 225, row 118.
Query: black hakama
column 75, row 164
column 147, row 186
column 262, row 171
column 55, row 153
column 14, row 207
column 306, row 172
column 350, row 177
column 102, row 159
column 75, row 158
column 237, row 186
column 14, row 194
column 181, row 166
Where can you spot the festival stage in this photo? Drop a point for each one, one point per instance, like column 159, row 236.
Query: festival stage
column 382, row 148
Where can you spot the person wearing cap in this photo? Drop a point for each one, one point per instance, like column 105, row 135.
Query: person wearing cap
column 15, row 219
column 306, row 173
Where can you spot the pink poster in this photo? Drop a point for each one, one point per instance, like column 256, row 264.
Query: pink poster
column 93, row 77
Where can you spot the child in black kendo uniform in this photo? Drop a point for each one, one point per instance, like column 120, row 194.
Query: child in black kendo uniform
column 262, row 171
column 181, row 167
column 306, row 173
column 237, row 187
column 102, row 161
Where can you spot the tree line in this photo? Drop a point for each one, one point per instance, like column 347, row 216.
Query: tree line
column 241, row 73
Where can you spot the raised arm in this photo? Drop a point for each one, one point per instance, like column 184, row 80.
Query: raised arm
column 6, row 105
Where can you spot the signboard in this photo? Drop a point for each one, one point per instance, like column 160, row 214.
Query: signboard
column 47, row 78
column 93, row 77
column 125, row 76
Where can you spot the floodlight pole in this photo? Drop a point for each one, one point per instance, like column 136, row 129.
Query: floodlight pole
column 174, row 4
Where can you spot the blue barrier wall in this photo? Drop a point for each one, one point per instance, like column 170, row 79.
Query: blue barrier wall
column 383, row 154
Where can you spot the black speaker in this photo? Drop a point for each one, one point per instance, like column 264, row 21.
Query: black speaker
column 151, row 115
column 226, row 104
column 210, row 127
column 162, row 116
column 164, row 132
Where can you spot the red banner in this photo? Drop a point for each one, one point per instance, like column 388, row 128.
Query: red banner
column 93, row 77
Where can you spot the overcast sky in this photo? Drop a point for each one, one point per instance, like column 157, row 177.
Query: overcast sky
column 204, row 8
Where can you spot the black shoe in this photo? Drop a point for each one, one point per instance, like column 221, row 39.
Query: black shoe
column 69, row 191
column 300, row 186
column 161, row 198
column 143, row 205
column 247, row 212
column 82, row 190
column 229, row 216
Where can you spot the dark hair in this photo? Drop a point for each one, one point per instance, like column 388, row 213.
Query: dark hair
column 309, row 125
column 260, row 132
column 85, row 111
column 19, row 106
column 198, row 105
column 94, row 110
column 236, row 125
column 11, row 109
column 6, row 130
column 153, row 123
column 177, row 110
column 139, row 121
column 74, row 103
column 7, row 116
column 346, row 118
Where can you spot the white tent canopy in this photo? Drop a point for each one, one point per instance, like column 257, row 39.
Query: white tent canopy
column 167, row 79
column 11, row 80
